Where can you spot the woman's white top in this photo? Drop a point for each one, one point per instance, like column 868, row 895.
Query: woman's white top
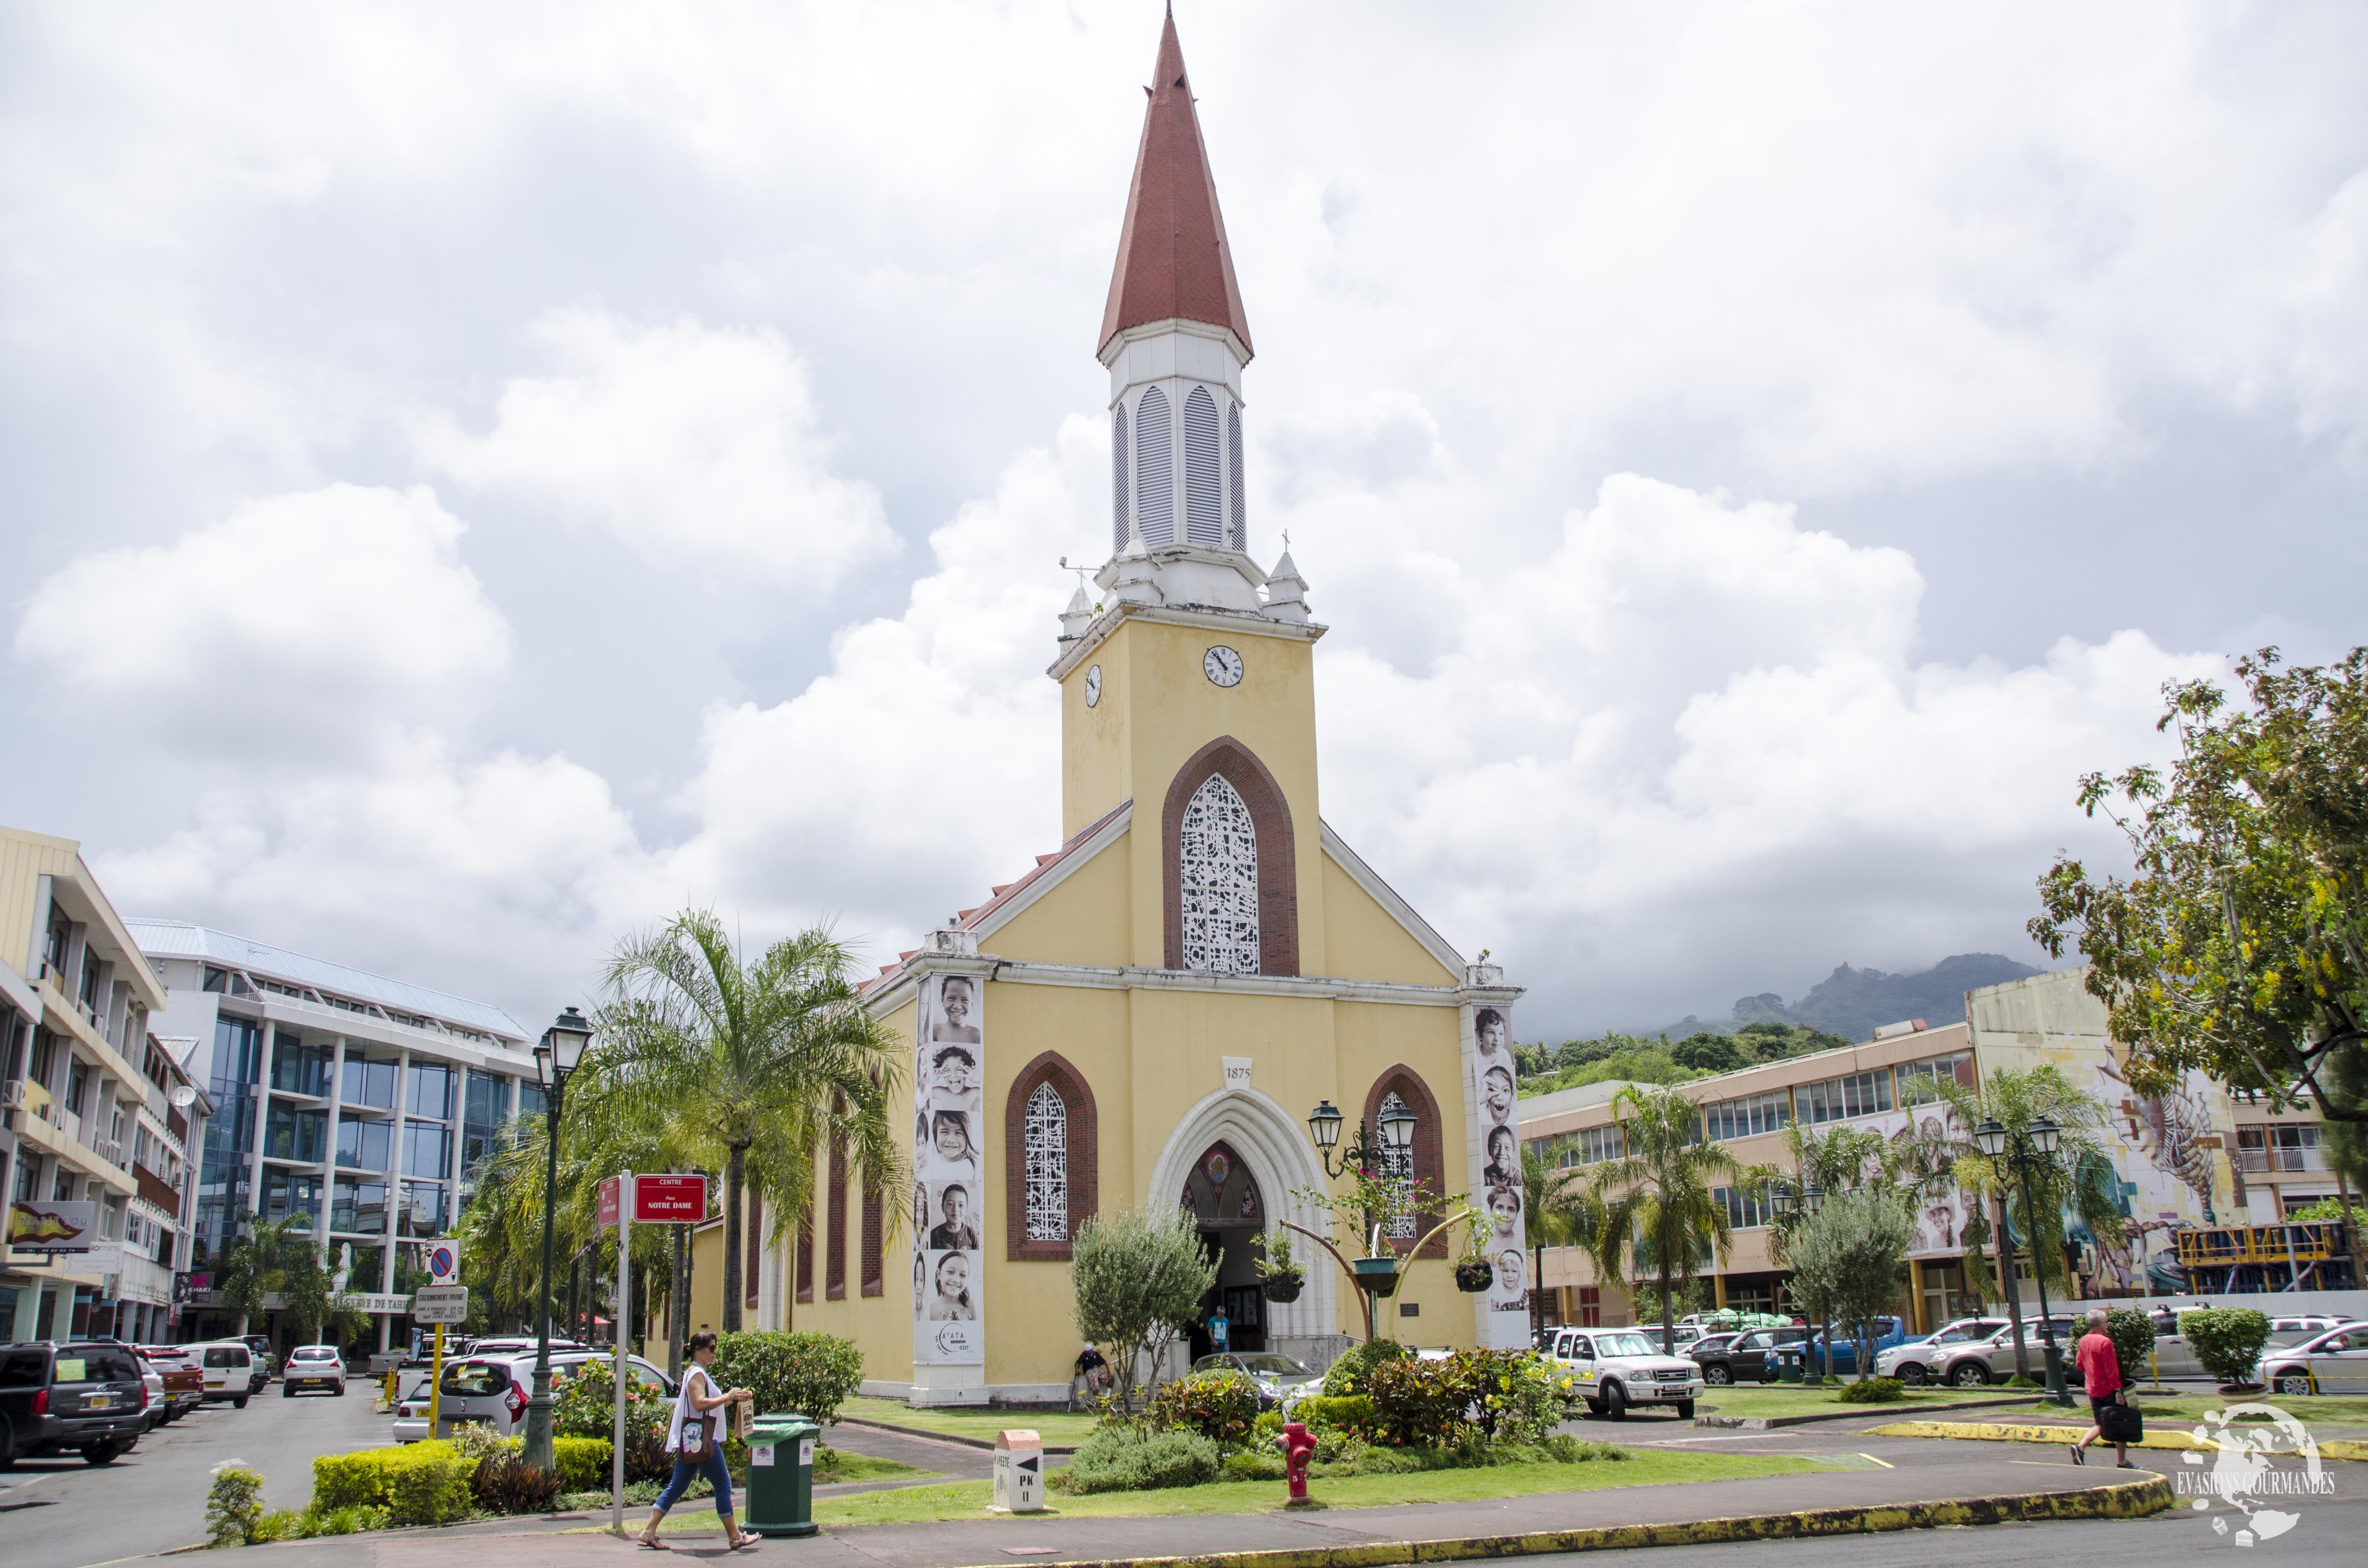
column 684, row 1411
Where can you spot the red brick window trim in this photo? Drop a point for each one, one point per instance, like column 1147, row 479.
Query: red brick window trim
column 834, row 1281
column 874, row 1227
column 1429, row 1158
column 1083, row 1149
column 1278, row 860
column 806, row 1255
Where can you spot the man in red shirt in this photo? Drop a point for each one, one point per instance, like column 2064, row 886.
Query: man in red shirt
column 2101, row 1365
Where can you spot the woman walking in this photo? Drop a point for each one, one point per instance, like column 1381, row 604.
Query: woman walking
column 696, row 1440
column 2101, row 1365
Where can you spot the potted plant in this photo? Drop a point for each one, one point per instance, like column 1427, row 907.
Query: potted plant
column 1279, row 1275
column 1473, row 1272
column 1377, row 1275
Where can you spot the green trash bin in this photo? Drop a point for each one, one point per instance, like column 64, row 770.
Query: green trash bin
column 1788, row 1363
column 780, row 1475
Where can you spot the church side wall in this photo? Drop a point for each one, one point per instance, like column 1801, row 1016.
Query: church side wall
column 1078, row 922
column 1366, row 942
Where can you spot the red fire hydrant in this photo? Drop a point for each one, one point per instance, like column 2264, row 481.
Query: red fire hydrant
column 1298, row 1447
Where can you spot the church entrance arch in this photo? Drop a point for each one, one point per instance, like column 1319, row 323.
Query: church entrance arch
column 1238, row 1147
column 1222, row 1199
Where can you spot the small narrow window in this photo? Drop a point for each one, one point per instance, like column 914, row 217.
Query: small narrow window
column 1154, row 478
column 1117, row 479
column 1235, row 519
column 1047, row 1132
column 1205, row 523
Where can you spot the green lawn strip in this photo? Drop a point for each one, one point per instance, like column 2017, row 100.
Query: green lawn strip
column 1053, row 1426
column 1792, row 1399
column 968, row 1499
column 850, row 1466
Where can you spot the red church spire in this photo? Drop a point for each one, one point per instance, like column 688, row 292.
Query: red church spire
column 1172, row 256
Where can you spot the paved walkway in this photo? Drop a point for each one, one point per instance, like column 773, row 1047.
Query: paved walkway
column 1916, row 1472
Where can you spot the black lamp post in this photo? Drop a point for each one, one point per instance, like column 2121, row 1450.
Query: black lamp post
column 556, row 1057
column 1324, row 1124
column 2016, row 1155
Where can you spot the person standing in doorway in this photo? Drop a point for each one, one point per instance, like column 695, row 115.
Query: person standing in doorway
column 695, row 1441
column 2101, row 1365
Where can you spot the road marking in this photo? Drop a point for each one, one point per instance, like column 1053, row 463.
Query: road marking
column 1884, row 1463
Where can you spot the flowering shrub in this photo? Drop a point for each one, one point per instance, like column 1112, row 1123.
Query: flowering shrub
column 1419, row 1404
column 1352, row 1373
column 1505, row 1396
column 1519, row 1396
column 1221, row 1406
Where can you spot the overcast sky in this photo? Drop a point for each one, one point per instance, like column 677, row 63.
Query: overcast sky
column 481, row 477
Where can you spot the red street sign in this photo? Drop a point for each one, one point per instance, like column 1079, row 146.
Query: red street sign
column 669, row 1200
column 607, row 1202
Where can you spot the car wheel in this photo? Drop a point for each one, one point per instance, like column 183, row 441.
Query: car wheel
column 341, row 1391
column 238, row 1401
column 1716, row 1375
column 286, row 1392
column 1615, row 1403
column 2292, row 1382
column 1685, row 1410
column 1969, row 1375
column 103, row 1453
column 1912, row 1375
column 1595, row 1407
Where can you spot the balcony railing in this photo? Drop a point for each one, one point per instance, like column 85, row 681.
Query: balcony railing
column 2261, row 1162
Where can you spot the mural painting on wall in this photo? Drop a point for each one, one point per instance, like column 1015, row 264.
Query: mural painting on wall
column 947, row 1192
column 1495, row 1158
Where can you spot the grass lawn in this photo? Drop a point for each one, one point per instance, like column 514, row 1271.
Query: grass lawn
column 1054, row 1426
column 968, row 1499
column 845, row 1466
column 1790, row 1399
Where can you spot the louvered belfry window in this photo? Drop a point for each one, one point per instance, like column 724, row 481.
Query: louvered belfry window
column 1047, row 1132
column 1237, row 524
column 1204, row 522
column 1154, row 478
column 1117, row 479
column 1217, row 876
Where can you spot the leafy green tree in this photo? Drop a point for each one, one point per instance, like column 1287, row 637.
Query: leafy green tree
column 771, row 1059
column 1557, row 1210
column 1708, row 1052
column 2239, row 945
column 1136, row 1279
column 1850, row 1261
column 281, row 1258
column 1660, row 1220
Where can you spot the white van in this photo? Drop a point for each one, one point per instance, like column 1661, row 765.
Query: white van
column 229, row 1369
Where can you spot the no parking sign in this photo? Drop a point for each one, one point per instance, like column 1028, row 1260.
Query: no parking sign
column 444, row 1263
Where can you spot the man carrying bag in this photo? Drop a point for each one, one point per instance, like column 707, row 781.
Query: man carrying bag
column 2117, row 1420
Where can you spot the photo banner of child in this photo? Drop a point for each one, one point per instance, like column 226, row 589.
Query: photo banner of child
column 1504, row 1308
column 949, row 1261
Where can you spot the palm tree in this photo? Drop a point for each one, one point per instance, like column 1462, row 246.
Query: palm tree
column 276, row 1258
column 770, row 1061
column 2013, row 1098
column 1557, row 1210
column 1657, row 1200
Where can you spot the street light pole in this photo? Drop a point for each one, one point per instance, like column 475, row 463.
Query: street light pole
column 2014, row 1156
column 556, row 1059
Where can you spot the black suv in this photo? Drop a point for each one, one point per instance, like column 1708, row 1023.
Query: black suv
column 1742, row 1357
column 54, row 1398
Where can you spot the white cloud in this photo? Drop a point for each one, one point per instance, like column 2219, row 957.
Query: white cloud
column 700, row 450
column 297, row 612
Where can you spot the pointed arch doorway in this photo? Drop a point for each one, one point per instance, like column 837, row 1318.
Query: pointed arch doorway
column 1267, row 1156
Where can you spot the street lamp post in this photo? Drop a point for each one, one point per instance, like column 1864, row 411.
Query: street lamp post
column 2015, row 1156
column 1324, row 1125
column 555, row 1060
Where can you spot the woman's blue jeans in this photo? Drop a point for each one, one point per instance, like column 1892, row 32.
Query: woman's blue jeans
column 712, row 1466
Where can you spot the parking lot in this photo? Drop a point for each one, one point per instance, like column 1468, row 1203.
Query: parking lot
column 63, row 1512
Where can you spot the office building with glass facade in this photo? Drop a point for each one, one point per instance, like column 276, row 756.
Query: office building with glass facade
column 355, row 1104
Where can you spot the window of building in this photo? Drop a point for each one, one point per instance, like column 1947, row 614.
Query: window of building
column 1771, row 1112
column 60, row 939
column 1204, row 522
column 293, row 1134
column 358, row 1205
column 424, row 1211
column 77, row 1087
column 363, row 1145
column 531, row 1101
column 1742, row 1210
column 369, row 1083
column 1217, row 873
column 481, row 1112
column 1048, row 1165
column 2284, row 1147
column 61, row 1189
column 1154, row 494
column 290, row 1195
column 431, row 1090
column 45, row 1058
column 426, row 1148
column 1237, row 526
column 1919, row 1081
column 1861, row 1093
column 1117, row 479
column 299, row 1069
column 1397, row 1164
column 1586, row 1146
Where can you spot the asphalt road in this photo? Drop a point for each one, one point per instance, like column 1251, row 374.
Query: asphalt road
column 63, row 1512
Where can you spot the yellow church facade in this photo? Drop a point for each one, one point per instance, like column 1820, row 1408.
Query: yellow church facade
column 1147, row 1016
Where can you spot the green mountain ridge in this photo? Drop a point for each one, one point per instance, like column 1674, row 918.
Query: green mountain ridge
column 1854, row 1002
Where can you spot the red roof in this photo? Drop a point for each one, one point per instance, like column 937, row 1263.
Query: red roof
column 1172, row 256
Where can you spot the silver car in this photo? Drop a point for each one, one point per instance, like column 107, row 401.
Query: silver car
column 1926, row 1359
column 316, row 1367
column 2333, row 1362
column 1978, row 1361
column 492, row 1391
column 1618, row 1368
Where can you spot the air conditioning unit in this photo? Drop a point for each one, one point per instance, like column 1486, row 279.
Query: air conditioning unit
column 12, row 1094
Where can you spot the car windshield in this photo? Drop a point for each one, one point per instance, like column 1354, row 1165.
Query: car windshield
column 1962, row 1332
column 1270, row 1365
column 316, row 1353
column 1625, row 1345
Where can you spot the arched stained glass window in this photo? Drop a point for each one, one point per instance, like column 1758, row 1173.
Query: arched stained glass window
column 1155, row 474
column 1217, row 873
column 1047, row 1132
column 1204, row 522
column 1398, row 1165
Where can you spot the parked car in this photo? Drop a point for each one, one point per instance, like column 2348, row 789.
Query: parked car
column 184, row 1380
column 1921, row 1359
column 2294, row 1330
column 313, row 1366
column 1282, row 1379
column 1979, row 1361
column 1746, row 1358
column 84, row 1397
column 1841, row 1354
column 492, row 1391
column 1618, row 1368
column 2332, row 1362
column 228, row 1366
column 411, row 1378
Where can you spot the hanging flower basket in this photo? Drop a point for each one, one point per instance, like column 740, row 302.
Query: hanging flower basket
column 1377, row 1275
column 1474, row 1275
column 1282, row 1287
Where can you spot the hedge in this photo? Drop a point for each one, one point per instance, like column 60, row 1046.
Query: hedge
column 430, row 1484
column 809, row 1373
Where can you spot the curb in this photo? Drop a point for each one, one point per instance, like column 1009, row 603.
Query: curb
column 941, row 1436
column 2120, row 1500
column 1861, row 1413
column 2000, row 1432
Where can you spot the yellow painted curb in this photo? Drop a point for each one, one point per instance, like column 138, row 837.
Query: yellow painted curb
column 2120, row 1500
column 2008, row 1432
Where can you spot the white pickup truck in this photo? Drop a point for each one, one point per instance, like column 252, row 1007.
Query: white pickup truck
column 1619, row 1367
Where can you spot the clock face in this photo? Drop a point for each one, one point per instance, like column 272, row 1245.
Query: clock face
column 1223, row 666
column 1093, row 686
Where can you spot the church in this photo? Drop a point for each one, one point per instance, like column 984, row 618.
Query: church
column 1148, row 1016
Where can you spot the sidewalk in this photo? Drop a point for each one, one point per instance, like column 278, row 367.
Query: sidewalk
column 1850, row 1501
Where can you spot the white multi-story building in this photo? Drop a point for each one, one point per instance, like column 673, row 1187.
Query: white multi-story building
column 356, row 1101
